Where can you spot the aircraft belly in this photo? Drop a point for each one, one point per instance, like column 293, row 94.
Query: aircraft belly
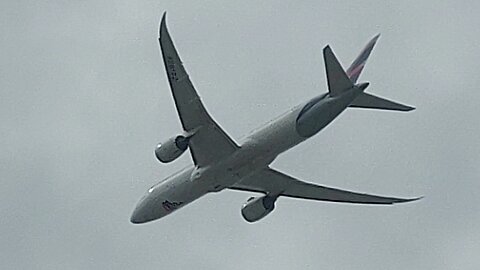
column 275, row 137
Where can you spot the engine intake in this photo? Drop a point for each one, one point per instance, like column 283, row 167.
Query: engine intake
column 257, row 208
column 171, row 149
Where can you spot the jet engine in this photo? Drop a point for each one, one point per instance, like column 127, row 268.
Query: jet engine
column 258, row 207
column 171, row 149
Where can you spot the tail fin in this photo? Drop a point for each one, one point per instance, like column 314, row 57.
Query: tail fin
column 337, row 79
column 358, row 64
column 369, row 101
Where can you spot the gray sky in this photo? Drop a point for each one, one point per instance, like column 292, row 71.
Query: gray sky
column 84, row 99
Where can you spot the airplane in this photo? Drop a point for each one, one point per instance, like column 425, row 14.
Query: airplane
column 220, row 163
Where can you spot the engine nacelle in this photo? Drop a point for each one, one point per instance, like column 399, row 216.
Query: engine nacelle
column 257, row 208
column 171, row 149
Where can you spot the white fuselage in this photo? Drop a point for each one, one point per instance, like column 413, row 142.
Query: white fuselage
column 257, row 151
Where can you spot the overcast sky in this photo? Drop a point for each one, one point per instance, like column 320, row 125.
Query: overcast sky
column 84, row 100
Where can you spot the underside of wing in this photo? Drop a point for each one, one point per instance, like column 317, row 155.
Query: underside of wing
column 269, row 181
column 209, row 142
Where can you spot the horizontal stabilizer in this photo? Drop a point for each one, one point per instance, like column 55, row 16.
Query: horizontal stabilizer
column 368, row 101
column 338, row 81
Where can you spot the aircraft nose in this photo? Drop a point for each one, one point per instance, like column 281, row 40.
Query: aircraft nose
column 136, row 217
column 147, row 210
column 141, row 213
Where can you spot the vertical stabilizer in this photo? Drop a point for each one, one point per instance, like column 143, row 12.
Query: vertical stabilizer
column 358, row 64
column 338, row 81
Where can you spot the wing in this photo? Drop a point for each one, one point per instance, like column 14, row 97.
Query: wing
column 274, row 182
column 209, row 142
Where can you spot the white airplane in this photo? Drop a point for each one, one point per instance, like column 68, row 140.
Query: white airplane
column 220, row 163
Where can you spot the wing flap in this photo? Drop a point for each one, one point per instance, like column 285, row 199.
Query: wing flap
column 271, row 181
